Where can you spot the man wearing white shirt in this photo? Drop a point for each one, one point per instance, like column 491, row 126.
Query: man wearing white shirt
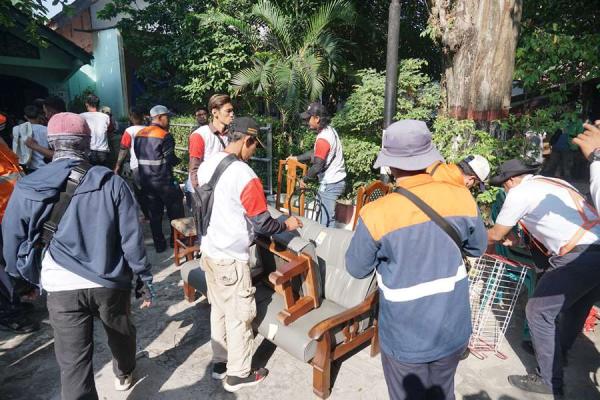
column 589, row 144
column 562, row 224
column 98, row 123
column 38, row 141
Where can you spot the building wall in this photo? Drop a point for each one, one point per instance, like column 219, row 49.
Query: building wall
column 109, row 67
column 72, row 30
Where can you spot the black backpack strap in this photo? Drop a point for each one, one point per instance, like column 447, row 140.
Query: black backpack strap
column 223, row 164
column 60, row 207
column 433, row 215
column 432, row 172
column 220, row 139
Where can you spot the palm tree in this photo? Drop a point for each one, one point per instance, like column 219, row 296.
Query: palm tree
column 290, row 70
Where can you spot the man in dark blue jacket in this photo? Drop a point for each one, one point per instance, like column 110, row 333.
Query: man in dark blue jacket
column 424, row 315
column 90, row 261
column 155, row 150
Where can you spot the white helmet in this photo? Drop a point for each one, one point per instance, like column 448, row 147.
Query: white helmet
column 479, row 165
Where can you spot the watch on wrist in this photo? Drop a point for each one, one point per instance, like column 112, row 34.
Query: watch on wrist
column 594, row 155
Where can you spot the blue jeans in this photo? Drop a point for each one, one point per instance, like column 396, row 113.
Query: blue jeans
column 329, row 193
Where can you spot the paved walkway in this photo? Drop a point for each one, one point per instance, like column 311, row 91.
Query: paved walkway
column 174, row 361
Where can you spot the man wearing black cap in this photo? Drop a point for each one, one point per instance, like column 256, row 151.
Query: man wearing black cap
column 327, row 161
column 239, row 209
column 563, row 225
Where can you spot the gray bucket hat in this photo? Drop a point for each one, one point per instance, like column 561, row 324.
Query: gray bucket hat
column 159, row 110
column 407, row 146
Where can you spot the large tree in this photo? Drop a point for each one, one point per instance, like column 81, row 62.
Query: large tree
column 478, row 40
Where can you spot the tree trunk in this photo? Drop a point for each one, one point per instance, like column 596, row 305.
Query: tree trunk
column 479, row 38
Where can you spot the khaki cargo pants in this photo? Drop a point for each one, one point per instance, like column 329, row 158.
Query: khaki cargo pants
column 231, row 295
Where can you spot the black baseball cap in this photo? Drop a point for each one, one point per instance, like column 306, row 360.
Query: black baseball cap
column 247, row 126
column 314, row 109
column 511, row 168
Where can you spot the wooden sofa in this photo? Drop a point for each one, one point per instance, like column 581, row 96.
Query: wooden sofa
column 307, row 304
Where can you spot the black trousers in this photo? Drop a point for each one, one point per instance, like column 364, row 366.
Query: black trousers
column 139, row 194
column 72, row 315
column 169, row 196
column 557, row 310
column 99, row 158
column 426, row 381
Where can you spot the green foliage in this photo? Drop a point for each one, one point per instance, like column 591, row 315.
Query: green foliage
column 546, row 60
column 457, row 139
column 182, row 61
column 360, row 122
column 359, row 154
column 77, row 105
column 418, row 98
column 290, row 68
column 34, row 10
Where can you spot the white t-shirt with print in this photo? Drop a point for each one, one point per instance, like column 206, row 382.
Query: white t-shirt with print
column 336, row 169
column 547, row 211
column 238, row 194
column 98, row 123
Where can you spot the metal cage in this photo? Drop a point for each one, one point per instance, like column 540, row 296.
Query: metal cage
column 494, row 287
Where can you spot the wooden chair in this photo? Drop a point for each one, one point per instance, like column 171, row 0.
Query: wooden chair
column 310, row 306
column 291, row 168
column 367, row 194
column 184, row 238
column 298, row 266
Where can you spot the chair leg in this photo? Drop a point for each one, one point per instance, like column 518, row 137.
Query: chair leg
column 375, row 340
column 176, row 246
column 189, row 292
column 190, row 243
column 322, row 367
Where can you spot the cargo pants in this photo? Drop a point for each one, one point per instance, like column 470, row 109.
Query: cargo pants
column 231, row 295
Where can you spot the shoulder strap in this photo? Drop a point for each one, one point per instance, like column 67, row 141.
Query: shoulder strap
column 220, row 139
column 432, row 172
column 334, row 150
column 60, row 207
column 223, row 164
column 433, row 215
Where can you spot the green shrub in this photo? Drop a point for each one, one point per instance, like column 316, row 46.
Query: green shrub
column 418, row 98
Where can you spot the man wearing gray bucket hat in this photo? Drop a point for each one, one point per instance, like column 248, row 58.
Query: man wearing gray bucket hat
column 420, row 271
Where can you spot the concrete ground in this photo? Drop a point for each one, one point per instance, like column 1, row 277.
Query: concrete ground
column 174, row 360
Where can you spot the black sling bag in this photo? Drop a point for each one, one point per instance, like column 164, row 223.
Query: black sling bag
column 204, row 196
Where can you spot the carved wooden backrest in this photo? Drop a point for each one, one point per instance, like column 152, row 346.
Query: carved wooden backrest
column 369, row 193
column 293, row 170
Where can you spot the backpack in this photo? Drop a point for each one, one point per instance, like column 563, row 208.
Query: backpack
column 203, row 196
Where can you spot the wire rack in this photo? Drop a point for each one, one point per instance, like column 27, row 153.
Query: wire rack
column 494, row 286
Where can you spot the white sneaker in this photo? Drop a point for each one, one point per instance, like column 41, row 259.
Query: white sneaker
column 124, row 383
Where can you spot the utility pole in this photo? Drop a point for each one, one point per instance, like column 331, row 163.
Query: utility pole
column 391, row 69
column 391, row 72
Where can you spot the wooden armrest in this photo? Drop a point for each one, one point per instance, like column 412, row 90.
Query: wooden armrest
column 268, row 244
column 288, row 271
column 324, row 326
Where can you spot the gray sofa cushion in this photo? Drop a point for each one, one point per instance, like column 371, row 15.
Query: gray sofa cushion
column 294, row 337
column 193, row 275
